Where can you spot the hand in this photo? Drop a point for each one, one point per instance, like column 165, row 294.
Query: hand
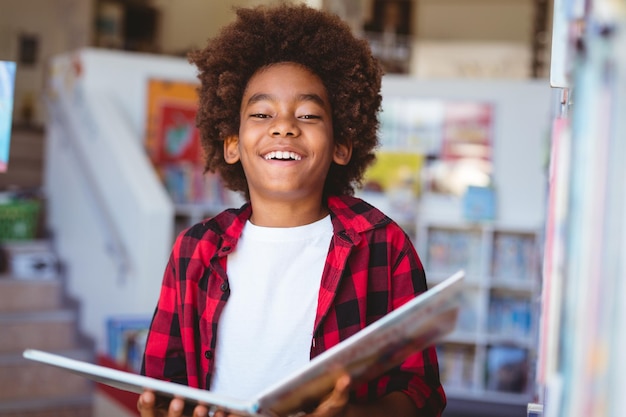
column 147, row 407
column 333, row 405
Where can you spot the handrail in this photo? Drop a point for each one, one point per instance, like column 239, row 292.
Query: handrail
column 60, row 109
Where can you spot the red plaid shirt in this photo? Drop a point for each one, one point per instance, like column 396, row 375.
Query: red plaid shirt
column 371, row 269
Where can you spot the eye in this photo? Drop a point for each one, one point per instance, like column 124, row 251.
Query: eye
column 260, row 116
column 310, row 117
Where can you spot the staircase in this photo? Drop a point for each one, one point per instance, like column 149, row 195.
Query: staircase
column 35, row 314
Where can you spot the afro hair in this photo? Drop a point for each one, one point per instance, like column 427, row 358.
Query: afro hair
column 318, row 40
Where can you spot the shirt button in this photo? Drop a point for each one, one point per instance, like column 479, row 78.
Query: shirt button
column 208, row 354
column 224, row 286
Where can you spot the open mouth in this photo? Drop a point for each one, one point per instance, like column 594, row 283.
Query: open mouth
column 282, row 156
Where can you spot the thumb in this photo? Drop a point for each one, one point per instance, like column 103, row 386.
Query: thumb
column 337, row 400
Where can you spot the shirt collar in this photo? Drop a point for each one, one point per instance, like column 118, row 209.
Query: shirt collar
column 351, row 216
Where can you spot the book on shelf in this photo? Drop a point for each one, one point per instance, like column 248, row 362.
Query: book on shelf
column 507, row 369
column 453, row 249
column 384, row 344
column 479, row 203
column 456, row 364
column 395, row 176
column 126, row 340
column 510, row 316
column 514, row 256
column 468, row 312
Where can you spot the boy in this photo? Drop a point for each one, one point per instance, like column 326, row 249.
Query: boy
column 288, row 116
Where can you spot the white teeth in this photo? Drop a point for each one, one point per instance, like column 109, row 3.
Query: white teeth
column 283, row 155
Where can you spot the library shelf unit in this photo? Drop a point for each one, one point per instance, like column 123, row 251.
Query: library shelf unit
column 490, row 355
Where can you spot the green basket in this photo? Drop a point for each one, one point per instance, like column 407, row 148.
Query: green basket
column 19, row 220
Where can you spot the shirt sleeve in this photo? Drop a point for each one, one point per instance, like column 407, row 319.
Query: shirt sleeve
column 164, row 356
column 418, row 375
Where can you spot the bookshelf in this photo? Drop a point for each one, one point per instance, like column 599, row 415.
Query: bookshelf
column 490, row 355
column 451, row 231
column 581, row 365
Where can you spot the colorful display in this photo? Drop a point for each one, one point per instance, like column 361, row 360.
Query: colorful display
column 7, row 87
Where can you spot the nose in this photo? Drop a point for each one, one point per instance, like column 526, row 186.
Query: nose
column 284, row 126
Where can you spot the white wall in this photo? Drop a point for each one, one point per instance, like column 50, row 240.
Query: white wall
column 97, row 169
column 475, row 20
column 188, row 24
column 60, row 26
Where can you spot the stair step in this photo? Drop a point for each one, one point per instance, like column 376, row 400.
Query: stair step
column 75, row 406
column 29, row 295
column 22, row 380
column 31, row 259
column 50, row 330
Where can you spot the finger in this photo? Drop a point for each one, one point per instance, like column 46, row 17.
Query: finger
column 342, row 384
column 145, row 404
column 176, row 407
column 337, row 400
column 200, row 411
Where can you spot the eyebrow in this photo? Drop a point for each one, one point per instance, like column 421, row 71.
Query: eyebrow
column 255, row 98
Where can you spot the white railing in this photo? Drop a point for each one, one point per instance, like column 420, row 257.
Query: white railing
column 111, row 219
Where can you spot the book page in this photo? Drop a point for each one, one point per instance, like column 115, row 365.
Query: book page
column 372, row 351
column 417, row 324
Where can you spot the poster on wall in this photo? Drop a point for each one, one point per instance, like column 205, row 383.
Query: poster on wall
column 454, row 139
column 395, row 177
column 7, row 87
column 465, row 158
column 171, row 133
column 173, row 145
column 172, row 139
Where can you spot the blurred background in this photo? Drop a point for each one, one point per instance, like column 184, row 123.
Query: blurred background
column 100, row 168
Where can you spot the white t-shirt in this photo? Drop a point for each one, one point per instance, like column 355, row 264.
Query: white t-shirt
column 266, row 329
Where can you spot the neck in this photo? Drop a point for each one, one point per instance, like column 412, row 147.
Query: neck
column 286, row 214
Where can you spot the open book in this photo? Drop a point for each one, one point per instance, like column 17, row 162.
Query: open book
column 377, row 348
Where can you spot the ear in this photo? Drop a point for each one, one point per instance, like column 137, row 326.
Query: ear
column 231, row 149
column 342, row 154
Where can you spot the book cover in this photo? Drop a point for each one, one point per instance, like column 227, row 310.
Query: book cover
column 479, row 203
column 126, row 339
column 507, row 369
column 510, row 316
column 456, row 364
column 419, row 323
column 171, row 135
column 514, row 256
column 395, row 177
column 452, row 249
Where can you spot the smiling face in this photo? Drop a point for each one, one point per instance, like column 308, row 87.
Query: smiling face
column 285, row 142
